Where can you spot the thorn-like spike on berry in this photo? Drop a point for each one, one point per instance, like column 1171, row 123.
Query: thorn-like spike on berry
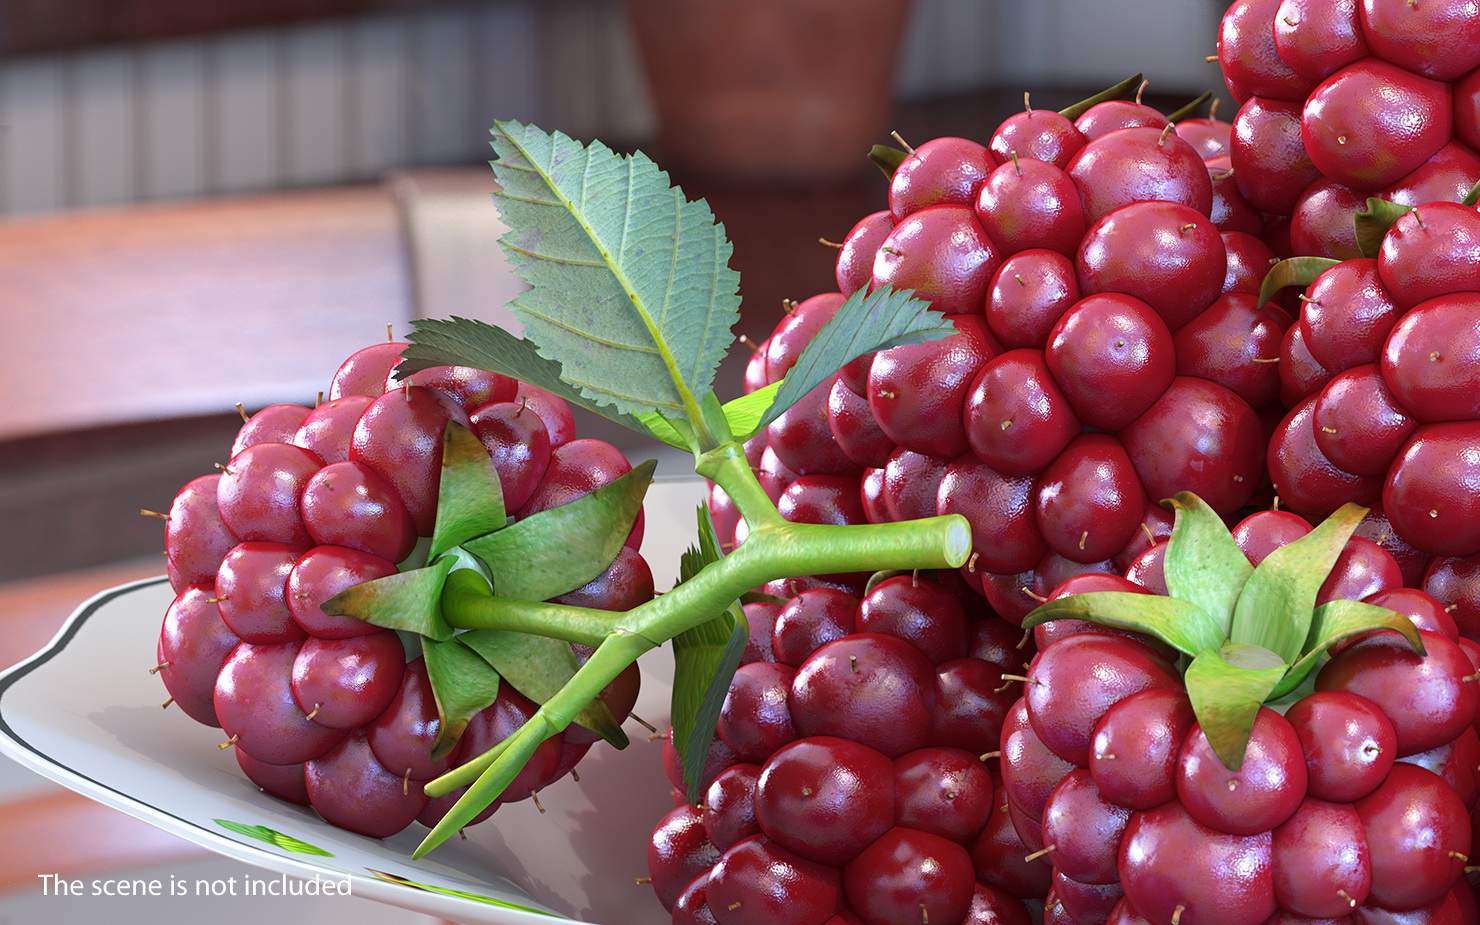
column 1232, row 786
column 924, row 915
column 462, row 834
column 915, row 578
column 642, row 880
column 166, row 704
column 1040, row 853
column 1018, row 677
column 1083, row 539
column 1027, row 106
column 900, row 138
column 971, row 563
column 893, row 251
column 1021, row 643
column 733, row 906
column 1035, row 595
column 1164, row 133
column 853, row 662
column 1347, row 898
column 1104, row 756
column 158, row 668
column 1015, row 165
column 656, row 736
column 1140, row 90
column 1019, row 278
column 315, row 711
column 575, row 775
column 642, row 722
column 223, row 467
column 243, row 412
column 145, row 512
column 833, row 244
column 1459, row 856
column 1211, row 59
column 406, row 784
column 229, row 742
column 990, row 755
column 389, row 331
column 1341, row 139
column 1005, row 424
column 535, row 798
column 1177, row 913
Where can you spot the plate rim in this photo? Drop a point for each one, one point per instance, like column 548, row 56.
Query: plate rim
column 15, row 745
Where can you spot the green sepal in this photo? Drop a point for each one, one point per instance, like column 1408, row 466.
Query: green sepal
column 1293, row 271
column 704, row 661
column 470, row 499
column 1372, row 222
column 1204, row 565
column 887, row 158
column 1180, row 624
column 1109, row 93
column 463, row 684
column 538, row 667
column 1334, row 621
column 409, row 601
column 1227, row 686
column 1190, row 109
column 866, row 322
column 1274, row 610
column 506, row 760
column 560, row 549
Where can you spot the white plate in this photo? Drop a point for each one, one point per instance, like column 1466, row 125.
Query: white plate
column 85, row 712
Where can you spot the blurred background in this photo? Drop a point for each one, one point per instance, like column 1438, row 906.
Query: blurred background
column 205, row 204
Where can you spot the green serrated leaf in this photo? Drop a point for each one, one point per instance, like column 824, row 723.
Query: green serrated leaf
column 1334, row 621
column 463, row 683
column 557, row 550
column 705, row 658
column 538, row 667
column 274, row 838
column 1293, row 271
column 409, row 601
column 470, row 500
column 1227, row 686
column 1180, row 624
column 469, row 342
column 1110, row 93
column 746, row 412
column 631, row 288
column 1372, row 222
column 1275, row 608
column 864, row 323
column 1203, row 563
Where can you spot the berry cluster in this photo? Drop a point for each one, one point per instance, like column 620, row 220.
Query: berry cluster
column 1352, row 803
column 1382, row 370
column 850, row 781
column 1343, row 101
column 330, row 711
column 1107, row 350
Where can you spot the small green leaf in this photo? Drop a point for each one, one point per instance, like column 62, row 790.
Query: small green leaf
column 480, row 345
column 559, row 549
column 409, row 601
column 470, row 500
column 1188, row 110
column 887, row 158
column 1180, row 624
column 864, row 323
column 1293, row 271
column 1334, row 621
column 631, row 291
column 673, row 433
column 463, row 685
column 1372, row 223
column 273, row 837
column 1227, row 686
column 1275, row 608
column 1110, row 93
column 705, row 658
column 538, row 667
column 746, row 412
column 1203, row 562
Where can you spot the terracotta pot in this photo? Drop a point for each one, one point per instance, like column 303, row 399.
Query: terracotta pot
column 770, row 90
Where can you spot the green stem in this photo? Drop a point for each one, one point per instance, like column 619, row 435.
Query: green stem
column 467, row 608
column 778, row 550
column 727, row 467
